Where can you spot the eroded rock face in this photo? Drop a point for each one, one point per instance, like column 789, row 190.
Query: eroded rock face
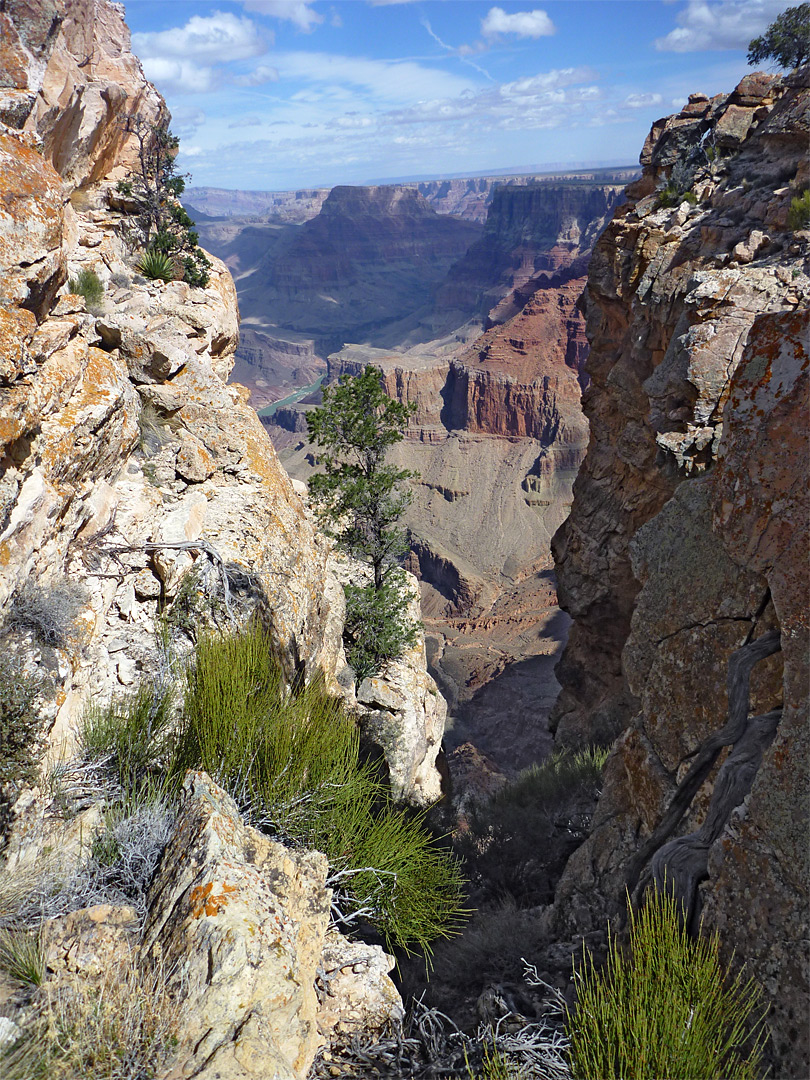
column 238, row 921
column 684, row 541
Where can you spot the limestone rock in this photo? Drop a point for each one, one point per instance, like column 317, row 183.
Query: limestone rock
column 239, row 922
column 356, row 995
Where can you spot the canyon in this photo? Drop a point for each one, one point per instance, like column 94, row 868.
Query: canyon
column 610, row 387
column 494, row 365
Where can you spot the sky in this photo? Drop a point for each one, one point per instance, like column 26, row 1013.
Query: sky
column 281, row 94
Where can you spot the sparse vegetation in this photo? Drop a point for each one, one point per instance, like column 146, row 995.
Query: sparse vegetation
column 88, row 284
column 50, row 611
column 359, row 499
column 554, row 799
column 119, row 1027
column 164, row 229
column 799, row 213
column 20, row 721
column 664, row 1007
column 786, row 41
column 292, row 762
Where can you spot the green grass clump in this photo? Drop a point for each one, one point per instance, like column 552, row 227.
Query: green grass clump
column 799, row 213
column 88, row 284
column 665, row 1008
column 292, row 762
column 131, row 735
column 156, row 265
column 22, row 956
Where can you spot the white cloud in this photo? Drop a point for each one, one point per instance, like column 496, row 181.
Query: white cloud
column 387, row 81
column 528, row 24
column 641, row 101
column 245, row 121
column 218, row 38
column 260, row 75
column 180, row 76
column 727, row 25
column 298, row 12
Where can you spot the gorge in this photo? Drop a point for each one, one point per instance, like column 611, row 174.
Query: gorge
column 610, row 442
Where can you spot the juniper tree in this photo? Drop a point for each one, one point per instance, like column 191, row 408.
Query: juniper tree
column 163, row 224
column 787, row 39
column 359, row 499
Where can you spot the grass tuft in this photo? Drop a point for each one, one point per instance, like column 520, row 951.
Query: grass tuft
column 88, row 284
column 292, row 762
column 799, row 213
column 122, row 1027
column 21, row 955
column 666, row 1007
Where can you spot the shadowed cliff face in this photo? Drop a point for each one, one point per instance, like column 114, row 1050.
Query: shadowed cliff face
column 687, row 541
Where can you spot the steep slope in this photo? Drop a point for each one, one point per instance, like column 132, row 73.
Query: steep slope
column 687, row 543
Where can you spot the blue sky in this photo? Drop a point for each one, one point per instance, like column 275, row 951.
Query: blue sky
column 279, row 94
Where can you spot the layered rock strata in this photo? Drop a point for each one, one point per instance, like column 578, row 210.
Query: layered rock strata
column 687, row 541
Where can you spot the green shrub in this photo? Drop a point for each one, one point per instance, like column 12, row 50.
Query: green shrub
column 664, row 1009
column 799, row 213
column 292, row 762
column 88, row 284
column 19, row 720
column 156, row 265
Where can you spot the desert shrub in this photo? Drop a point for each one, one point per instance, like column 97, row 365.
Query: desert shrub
column 21, row 955
column 88, row 284
column 156, row 265
column 19, row 720
column 292, row 762
column 130, row 736
column 799, row 213
column 154, row 429
column 118, row 870
column 518, row 841
column 120, row 1027
column 663, row 1008
column 378, row 627
column 50, row 611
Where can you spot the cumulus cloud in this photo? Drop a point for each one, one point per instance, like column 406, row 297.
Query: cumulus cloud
column 219, row 38
column 184, row 59
column 260, row 75
column 527, row 24
column 727, row 25
column 298, row 12
column 386, row 81
column 641, row 101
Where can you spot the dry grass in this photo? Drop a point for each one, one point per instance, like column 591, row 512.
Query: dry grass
column 122, row 1027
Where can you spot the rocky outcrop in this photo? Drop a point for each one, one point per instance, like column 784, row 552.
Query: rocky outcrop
column 687, row 540
column 128, row 463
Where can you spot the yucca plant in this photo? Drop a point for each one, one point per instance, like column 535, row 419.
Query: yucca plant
column 665, row 1007
column 156, row 265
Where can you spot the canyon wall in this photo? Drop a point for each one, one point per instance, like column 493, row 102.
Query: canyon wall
column 685, row 555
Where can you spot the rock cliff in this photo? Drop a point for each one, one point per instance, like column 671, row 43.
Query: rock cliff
column 683, row 563
column 136, row 482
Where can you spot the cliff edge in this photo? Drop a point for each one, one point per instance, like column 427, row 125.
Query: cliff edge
column 684, row 560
